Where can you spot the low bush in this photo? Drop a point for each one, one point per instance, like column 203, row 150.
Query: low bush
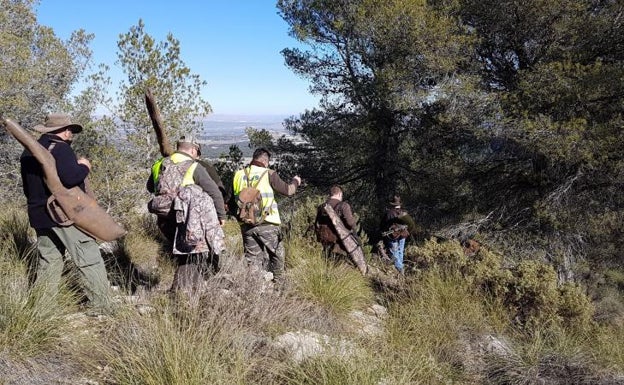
column 529, row 289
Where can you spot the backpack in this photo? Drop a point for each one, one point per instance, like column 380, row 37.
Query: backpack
column 169, row 181
column 197, row 224
column 249, row 202
column 324, row 229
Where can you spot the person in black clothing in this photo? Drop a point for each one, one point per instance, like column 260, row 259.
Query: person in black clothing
column 53, row 239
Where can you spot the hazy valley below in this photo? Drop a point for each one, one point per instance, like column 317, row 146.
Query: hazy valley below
column 221, row 131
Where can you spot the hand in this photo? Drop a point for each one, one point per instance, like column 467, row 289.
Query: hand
column 221, row 222
column 84, row 161
column 298, row 179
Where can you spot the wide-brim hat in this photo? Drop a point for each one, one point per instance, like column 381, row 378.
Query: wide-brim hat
column 395, row 201
column 55, row 122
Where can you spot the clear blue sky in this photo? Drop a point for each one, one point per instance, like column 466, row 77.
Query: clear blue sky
column 232, row 44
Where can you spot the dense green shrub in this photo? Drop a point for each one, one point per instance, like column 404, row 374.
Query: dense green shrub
column 575, row 308
column 529, row 290
column 533, row 295
column 445, row 256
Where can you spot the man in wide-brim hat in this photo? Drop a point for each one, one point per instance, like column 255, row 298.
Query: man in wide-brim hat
column 56, row 122
column 397, row 224
column 53, row 236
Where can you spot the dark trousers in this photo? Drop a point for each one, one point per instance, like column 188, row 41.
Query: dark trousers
column 193, row 269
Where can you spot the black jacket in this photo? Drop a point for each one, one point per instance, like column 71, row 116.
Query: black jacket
column 70, row 172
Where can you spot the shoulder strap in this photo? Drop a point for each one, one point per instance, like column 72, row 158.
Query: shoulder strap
column 188, row 175
column 248, row 172
column 53, row 143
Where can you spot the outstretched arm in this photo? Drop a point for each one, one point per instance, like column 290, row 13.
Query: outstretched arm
column 282, row 187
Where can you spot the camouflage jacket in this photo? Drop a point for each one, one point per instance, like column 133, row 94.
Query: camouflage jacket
column 197, row 225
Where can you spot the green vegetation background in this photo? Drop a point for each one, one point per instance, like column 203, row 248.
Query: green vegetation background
column 496, row 121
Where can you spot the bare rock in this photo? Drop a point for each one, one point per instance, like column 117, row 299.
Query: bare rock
column 306, row 344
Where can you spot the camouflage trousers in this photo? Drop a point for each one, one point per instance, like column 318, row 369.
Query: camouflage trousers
column 83, row 251
column 264, row 249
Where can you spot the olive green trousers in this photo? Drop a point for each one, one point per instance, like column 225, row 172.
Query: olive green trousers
column 83, row 251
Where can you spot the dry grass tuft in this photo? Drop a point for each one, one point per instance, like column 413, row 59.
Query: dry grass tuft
column 334, row 284
column 29, row 326
column 551, row 356
column 174, row 346
column 358, row 370
column 247, row 300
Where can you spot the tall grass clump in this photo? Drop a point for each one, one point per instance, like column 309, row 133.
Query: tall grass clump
column 23, row 328
column 431, row 324
column 331, row 369
column 29, row 325
column 608, row 347
column 144, row 240
column 233, row 238
column 548, row 355
column 298, row 251
column 137, row 258
column 175, row 346
column 16, row 236
column 334, row 284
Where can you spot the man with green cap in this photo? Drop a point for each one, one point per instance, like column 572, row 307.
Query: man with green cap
column 190, row 211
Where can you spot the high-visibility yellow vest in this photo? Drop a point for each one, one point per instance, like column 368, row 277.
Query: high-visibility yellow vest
column 268, row 196
column 176, row 158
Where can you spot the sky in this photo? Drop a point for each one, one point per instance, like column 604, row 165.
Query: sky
column 234, row 45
